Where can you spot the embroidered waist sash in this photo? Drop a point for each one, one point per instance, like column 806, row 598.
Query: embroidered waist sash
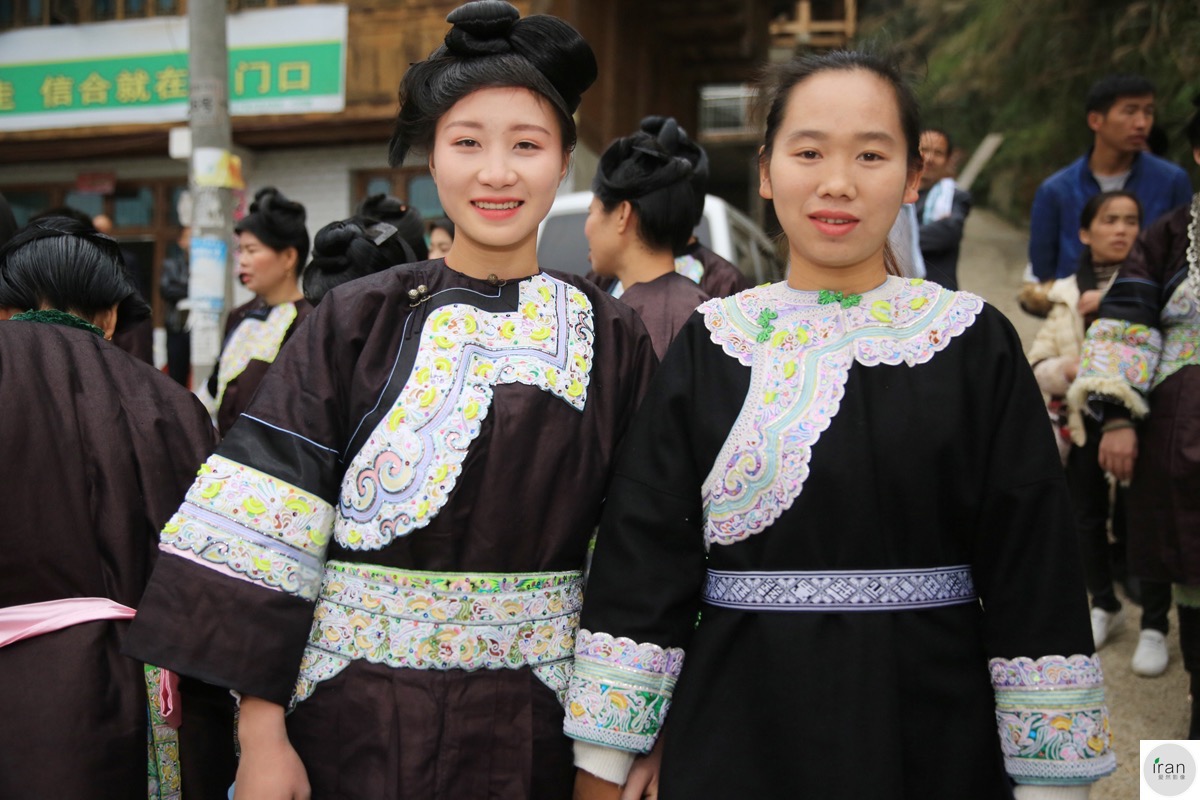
column 841, row 590
column 429, row 620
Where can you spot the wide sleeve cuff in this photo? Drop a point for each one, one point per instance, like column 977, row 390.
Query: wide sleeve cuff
column 620, row 692
column 1026, row 791
column 252, row 526
column 1052, row 719
column 1119, row 361
column 605, row 763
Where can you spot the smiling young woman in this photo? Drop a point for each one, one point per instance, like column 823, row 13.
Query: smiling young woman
column 850, row 477
column 392, row 543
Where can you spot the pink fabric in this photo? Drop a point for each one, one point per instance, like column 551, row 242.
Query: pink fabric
column 36, row 619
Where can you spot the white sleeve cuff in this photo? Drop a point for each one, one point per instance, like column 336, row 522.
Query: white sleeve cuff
column 606, row 763
column 1029, row 791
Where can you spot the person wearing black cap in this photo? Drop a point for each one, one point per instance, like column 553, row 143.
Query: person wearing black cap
column 643, row 211
column 99, row 449
column 272, row 250
column 391, row 541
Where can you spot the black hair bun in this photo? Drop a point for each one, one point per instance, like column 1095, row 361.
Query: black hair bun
column 409, row 224
column 674, row 140
column 481, row 28
column 272, row 202
column 558, row 52
column 332, row 245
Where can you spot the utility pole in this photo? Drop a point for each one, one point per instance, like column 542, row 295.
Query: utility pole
column 211, row 175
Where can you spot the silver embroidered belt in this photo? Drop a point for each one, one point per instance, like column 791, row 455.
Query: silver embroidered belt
column 441, row 621
column 836, row 591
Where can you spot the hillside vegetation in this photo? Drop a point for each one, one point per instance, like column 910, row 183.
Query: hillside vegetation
column 1023, row 68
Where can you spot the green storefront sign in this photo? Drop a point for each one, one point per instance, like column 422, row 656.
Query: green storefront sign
column 257, row 76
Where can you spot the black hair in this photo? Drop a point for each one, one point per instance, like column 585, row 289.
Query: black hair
column 689, row 149
column 942, row 133
column 277, row 222
column 1105, row 92
column 8, row 221
column 490, row 45
column 60, row 263
column 1192, row 130
column 353, row 248
column 442, row 224
column 66, row 211
column 650, row 173
column 780, row 79
column 1096, row 202
column 394, row 211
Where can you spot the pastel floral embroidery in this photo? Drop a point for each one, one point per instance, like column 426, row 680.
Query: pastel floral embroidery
column 407, row 468
column 621, row 691
column 420, row 620
column 252, row 526
column 253, row 340
column 798, row 376
column 1052, row 721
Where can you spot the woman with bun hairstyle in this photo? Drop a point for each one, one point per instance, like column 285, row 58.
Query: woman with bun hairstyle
column 394, row 211
column 99, row 449
column 837, row 557
column 350, row 249
column 272, row 249
column 643, row 212
column 1140, row 379
column 390, row 542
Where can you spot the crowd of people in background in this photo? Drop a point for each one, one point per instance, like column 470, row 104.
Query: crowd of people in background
column 458, row 525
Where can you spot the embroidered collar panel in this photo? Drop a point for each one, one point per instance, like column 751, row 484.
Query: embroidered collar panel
column 800, row 352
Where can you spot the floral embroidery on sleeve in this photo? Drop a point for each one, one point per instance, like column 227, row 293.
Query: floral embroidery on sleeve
column 621, row 690
column 1052, row 719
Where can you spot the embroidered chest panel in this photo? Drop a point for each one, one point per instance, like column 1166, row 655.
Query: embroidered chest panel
column 799, row 351
column 404, row 472
column 253, row 340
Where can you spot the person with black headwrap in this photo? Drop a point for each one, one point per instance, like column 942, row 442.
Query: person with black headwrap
column 645, row 206
column 391, row 540
column 407, row 220
column 99, row 449
column 352, row 248
column 272, row 251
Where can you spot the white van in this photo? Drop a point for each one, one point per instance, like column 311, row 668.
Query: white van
column 726, row 231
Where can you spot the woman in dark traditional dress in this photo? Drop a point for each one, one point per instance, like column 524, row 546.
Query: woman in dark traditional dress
column 849, row 476
column 643, row 211
column 391, row 541
column 99, row 449
column 272, row 249
column 1140, row 377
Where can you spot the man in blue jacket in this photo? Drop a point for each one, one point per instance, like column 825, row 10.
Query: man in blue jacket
column 1120, row 113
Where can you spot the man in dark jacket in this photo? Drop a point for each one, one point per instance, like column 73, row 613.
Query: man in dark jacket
column 942, row 210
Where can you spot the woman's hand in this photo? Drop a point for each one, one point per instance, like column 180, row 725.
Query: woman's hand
column 589, row 787
column 270, row 768
column 643, row 777
column 1118, row 452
